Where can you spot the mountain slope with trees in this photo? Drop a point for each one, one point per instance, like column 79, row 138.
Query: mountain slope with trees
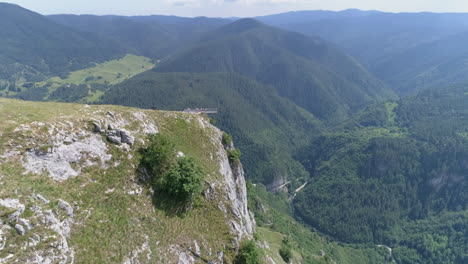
column 33, row 47
column 393, row 166
column 266, row 127
column 156, row 37
column 310, row 72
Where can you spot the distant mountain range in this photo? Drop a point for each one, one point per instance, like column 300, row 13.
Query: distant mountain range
column 407, row 50
column 152, row 36
column 32, row 46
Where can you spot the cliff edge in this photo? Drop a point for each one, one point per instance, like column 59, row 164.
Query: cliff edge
column 71, row 191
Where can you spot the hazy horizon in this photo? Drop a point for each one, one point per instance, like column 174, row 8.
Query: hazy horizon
column 233, row 8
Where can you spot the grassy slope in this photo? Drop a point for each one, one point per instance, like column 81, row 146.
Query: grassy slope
column 126, row 67
column 115, row 216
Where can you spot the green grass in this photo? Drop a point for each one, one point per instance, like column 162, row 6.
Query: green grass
column 274, row 240
column 126, row 67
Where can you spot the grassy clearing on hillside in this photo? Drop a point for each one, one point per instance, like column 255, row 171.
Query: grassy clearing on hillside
column 111, row 72
column 274, row 240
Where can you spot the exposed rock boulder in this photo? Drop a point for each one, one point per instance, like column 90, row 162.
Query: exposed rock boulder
column 97, row 127
column 66, row 207
column 42, row 198
column 111, row 114
column 126, row 137
column 20, row 229
column 15, row 205
column 25, row 223
column 120, row 136
column 114, row 139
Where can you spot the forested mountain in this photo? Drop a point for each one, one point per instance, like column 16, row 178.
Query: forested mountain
column 414, row 70
column 373, row 37
column 309, row 71
column 150, row 40
column 393, row 167
column 306, row 80
column 153, row 36
column 408, row 50
column 267, row 128
column 33, row 47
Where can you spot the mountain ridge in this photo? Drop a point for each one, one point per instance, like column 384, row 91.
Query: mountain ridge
column 33, row 46
column 315, row 67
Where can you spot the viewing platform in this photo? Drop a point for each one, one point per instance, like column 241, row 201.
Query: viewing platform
column 201, row 110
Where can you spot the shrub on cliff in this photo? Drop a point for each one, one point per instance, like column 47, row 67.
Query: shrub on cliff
column 234, row 155
column 184, row 180
column 248, row 254
column 181, row 178
column 227, row 139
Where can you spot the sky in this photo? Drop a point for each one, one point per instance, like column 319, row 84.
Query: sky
column 231, row 8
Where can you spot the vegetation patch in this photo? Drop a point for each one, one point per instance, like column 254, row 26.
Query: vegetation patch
column 179, row 177
column 249, row 253
column 234, row 155
column 227, row 139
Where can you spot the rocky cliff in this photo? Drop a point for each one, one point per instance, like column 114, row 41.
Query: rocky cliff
column 71, row 191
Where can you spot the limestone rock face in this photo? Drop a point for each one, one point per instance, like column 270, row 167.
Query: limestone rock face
column 119, row 136
column 236, row 191
column 58, row 160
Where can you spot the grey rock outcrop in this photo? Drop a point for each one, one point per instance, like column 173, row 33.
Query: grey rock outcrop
column 97, row 127
column 126, row 137
column 111, row 114
column 20, row 229
column 58, row 161
column 42, row 198
column 114, row 139
column 120, row 136
column 25, row 223
column 66, row 207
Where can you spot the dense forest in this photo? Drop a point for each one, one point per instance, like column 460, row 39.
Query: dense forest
column 393, row 165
